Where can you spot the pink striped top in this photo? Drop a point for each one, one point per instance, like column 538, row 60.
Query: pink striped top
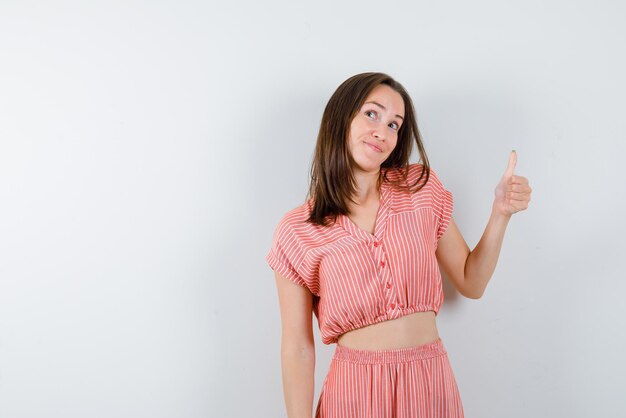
column 358, row 278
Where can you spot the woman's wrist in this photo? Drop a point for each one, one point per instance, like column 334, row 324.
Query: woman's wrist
column 498, row 216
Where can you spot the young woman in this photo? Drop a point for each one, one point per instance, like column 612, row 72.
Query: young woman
column 363, row 254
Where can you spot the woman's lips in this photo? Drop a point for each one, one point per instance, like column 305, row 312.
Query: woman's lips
column 374, row 147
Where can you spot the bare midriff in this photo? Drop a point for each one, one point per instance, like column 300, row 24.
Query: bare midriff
column 407, row 331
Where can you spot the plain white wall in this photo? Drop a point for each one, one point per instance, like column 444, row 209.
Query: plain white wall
column 148, row 150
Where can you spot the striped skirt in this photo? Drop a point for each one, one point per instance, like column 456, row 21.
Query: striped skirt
column 413, row 382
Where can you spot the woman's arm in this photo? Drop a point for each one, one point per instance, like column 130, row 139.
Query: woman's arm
column 297, row 347
column 470, row 271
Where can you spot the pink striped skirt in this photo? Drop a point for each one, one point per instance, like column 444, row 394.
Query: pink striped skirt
column 413, row 382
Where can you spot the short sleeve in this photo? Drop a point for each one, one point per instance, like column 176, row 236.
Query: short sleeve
column 442, row 204
column 286, row 254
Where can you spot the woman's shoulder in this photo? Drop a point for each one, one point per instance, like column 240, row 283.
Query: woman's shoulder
column 295, row 225
column 297, row 219
column 297, row 215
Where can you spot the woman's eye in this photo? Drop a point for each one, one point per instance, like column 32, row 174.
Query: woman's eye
column 370, row 113
column 393, row 125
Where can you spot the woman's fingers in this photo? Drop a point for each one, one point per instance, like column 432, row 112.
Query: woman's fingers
column 518, row 180
column 518, row 196
column 524, row 188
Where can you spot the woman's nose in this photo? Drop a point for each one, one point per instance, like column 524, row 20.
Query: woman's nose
column 378, row 133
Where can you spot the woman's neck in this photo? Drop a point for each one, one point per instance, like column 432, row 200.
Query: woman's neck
column 366, row 186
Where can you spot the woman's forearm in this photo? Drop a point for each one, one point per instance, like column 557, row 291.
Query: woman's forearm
column 298, row 368
column 482, row 260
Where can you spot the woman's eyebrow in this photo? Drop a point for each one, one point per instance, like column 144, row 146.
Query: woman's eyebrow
column 382, row 107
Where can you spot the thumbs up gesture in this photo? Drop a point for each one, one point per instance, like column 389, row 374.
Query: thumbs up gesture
column 512, row 192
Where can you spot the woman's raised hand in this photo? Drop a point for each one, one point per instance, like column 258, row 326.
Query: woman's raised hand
column 512, row 192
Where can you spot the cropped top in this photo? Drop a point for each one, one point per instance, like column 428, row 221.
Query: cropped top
column 358, row 278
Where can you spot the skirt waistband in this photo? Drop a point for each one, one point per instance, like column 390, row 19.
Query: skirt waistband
column 396, row 355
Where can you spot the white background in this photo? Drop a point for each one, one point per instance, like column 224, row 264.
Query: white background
column 148, row 150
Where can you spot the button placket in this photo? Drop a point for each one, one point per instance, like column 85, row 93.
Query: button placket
column 387, row 282
column 389, row 291
column 382, row 259
column 378, row 255
column 392, row 297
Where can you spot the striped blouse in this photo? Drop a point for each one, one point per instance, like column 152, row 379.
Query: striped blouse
column 358, row 278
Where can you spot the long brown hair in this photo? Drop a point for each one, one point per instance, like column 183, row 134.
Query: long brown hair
column 332, row 184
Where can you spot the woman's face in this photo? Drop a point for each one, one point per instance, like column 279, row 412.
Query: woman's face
column 374, row 130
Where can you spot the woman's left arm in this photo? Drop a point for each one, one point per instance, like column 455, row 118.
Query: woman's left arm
column 470, row 271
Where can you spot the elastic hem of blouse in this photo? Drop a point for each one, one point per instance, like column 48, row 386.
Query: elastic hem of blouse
column 396, row 355
column 333, row 338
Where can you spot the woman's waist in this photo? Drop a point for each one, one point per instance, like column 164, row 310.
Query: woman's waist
column 406, row 331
